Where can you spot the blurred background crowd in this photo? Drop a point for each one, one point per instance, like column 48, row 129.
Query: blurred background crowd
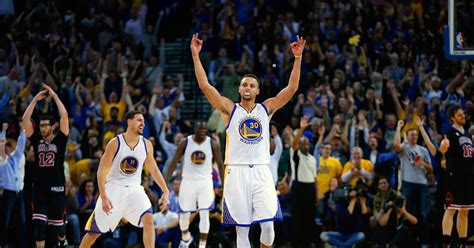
column 367, row 64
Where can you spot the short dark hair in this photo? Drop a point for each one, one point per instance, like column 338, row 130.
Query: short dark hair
column 131, row 114
column 254, row 77
column 49, row 118
column 452, row 111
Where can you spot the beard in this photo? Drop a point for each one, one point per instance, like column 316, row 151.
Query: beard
column 46, row 134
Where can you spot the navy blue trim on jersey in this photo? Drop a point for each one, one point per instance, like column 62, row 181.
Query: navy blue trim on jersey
column 266, row 110
column 118, row 147
column 196, row 210
column 144, row 142
column 146, row 211
column 229, row 221
column 230, row 118
column 94, row 228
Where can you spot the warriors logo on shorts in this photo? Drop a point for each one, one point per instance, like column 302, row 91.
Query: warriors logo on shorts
column 198, row 157
column 129, row 165
column 250, row 129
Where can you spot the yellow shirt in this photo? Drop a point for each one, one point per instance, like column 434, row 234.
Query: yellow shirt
column 409, row 120
column 106, row 107
column 356, row 175
column 76, row 170
column 328, row 168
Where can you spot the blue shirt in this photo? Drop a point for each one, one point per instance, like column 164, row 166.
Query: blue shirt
column 10, row 170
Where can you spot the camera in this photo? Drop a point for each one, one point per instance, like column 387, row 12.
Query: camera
column 397, row 202
column 342, row 193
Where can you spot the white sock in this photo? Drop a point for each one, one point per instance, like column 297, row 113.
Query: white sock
column 202, row 243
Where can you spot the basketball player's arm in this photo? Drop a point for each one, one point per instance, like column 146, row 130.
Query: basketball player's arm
column 152, row 167
column 26, row 118
column 223, row 104
column 64, row 119
column 216, row 153
column 176, row 158
column 284, row 96
column 104, row 166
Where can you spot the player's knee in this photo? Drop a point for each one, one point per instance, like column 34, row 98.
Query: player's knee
column 268, row 235
column 40, row 229
column 147, row 220
column 204, row 223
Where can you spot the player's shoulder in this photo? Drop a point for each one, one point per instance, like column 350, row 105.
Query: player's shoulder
column 147, row 142
column 114, row 142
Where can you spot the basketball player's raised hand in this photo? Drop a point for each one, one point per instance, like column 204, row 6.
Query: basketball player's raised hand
column 196, row 44
column 106, row 205
column 41, row 95
column 50, row 91
column 445, row 142
column 297, row 47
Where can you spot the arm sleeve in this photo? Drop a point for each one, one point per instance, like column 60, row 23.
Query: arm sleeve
column 20, row 146
column 278, row 146
column 167, row 146
column 367, row 174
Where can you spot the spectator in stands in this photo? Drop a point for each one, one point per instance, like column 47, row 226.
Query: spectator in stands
column 303, row 188
column 276, row 149
column 167, row 229
column 283, row 229
column 329, row 168
column 12, row 172
column 327, row 206
column 349, row 221
column 87, row 198
column 357, row 168
column 415, row 164
column 73, row 223
column 394, row 225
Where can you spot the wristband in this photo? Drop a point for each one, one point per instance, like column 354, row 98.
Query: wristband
column 298, row 56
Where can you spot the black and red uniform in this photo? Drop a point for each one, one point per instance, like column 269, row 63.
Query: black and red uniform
column 460, row 170
column 49, row 196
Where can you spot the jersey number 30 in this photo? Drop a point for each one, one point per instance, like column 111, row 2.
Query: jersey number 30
column 46, row 159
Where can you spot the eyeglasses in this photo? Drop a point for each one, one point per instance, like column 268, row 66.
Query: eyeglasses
column 44, row 125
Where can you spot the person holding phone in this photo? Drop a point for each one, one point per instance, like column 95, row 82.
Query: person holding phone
column 415, row 165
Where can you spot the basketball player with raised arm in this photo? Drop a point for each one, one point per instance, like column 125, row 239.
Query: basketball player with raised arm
column 49, row 196
column 119, row 179
column 199, row 151
column 249, row 193
column 458, row 149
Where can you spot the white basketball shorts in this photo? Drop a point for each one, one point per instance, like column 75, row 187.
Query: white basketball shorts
column 129, row 202
column 249, row 195
column 196, row 194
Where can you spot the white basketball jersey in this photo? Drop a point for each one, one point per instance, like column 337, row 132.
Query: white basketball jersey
column 197, row 161
column 248, row 136
column 127, row 165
